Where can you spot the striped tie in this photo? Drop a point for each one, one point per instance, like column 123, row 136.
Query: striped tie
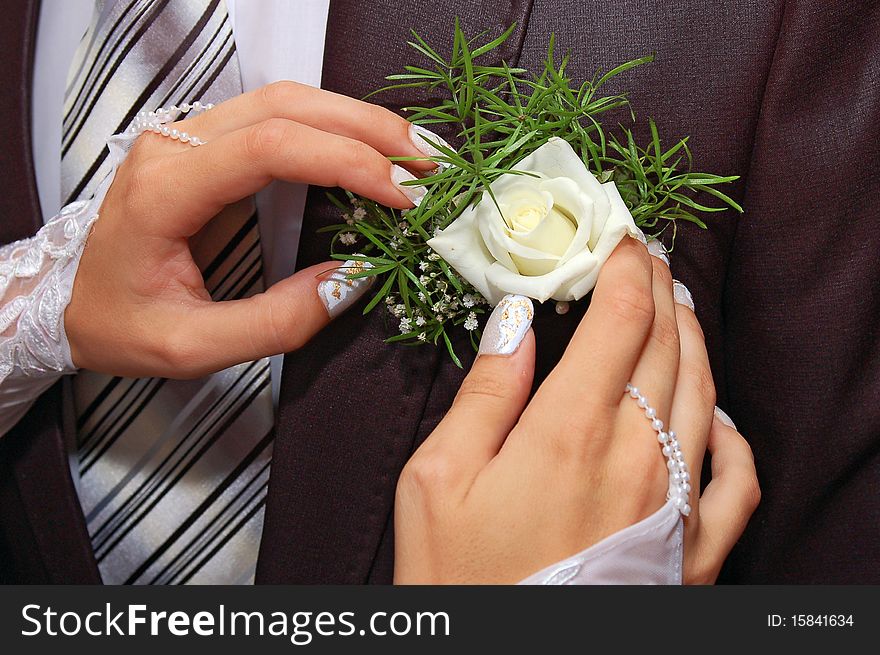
column 173, row 474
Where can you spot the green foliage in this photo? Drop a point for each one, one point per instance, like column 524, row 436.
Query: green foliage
column 500, row 114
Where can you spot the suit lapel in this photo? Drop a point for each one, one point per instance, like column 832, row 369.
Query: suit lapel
column 42, row 535
column 352, row 408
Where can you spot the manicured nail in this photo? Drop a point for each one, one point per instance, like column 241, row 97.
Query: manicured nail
column 724, row 418
column 682, row 295
column 414, row 193
column 418, row 136
column 639, row 236
column 338, row 293
column 658, row 250
column 507, row 326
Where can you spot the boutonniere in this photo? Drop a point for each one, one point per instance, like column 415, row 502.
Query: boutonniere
column 532, row 200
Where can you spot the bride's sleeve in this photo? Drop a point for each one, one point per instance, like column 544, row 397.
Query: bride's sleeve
column 36, row 281
column 648, row 552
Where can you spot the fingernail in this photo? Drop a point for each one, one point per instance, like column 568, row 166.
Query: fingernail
column 339, row 293
column 418, row 134
column 414, row 193
column 639, row 236
column 724, row 418
column 682, row 295
column 658, row 250
column 507, row 326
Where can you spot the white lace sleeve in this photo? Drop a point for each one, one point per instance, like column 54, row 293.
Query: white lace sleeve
column 36, row 280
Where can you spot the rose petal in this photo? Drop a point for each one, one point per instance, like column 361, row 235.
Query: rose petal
column 557, row 158
column 540, row 287
column 579, row 205
column 461, row 246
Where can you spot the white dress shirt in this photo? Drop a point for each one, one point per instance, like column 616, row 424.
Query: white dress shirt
column 275, row 40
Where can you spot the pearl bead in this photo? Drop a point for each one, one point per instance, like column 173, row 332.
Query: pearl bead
column 657, row 424
column 685, row 476
column 208, row 106
column 642, row 402
column 651, row 413
column 562, row 308
column 195, row 141
column 633, row 392
column 671, row 465
column 186, row 107
column 686, row 510
column 184, row 137
column 164, row 131
column 197, row 105
column 175, row 134
column 686, row 487
column 678, row 501
column 667, row 451
column 662, row 437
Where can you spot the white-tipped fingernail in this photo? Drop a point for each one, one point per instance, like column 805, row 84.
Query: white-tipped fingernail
column 415, row 193
column 424, row 139
column 506, row 327
column 639, row 236
column 658, row 250
column 724, row 418
column 682, row 295
column 338, row 293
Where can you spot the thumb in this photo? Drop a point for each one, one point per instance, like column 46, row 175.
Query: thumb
column 494, row 393
column 279, row 320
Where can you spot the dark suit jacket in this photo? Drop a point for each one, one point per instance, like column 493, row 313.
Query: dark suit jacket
column 783, row 93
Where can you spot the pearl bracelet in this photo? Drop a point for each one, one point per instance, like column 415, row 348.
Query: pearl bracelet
column 679, row 477
column 156, row 121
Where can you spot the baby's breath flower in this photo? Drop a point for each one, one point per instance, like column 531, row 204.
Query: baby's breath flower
column 434, row 257
column 468, row 300
column 420, row 320
column 423, row 337
column 422, row 297
column 405, row 325
column 399, row 310
column 359, row 213
column 424, row 280
column 347, row 238
column 471, row 323
column 424, row 266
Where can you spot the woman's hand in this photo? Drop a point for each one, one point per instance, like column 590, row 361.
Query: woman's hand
column 505, row 487
column 139, row 304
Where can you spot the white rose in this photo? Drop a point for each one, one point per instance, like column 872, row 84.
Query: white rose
column 551, row 237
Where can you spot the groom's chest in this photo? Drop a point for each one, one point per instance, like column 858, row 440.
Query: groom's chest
column 711, row 63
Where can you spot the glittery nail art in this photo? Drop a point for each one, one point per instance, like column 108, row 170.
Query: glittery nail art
column 338, row 293
column 507, row 326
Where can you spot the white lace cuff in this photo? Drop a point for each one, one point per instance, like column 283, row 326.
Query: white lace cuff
column 36, row 283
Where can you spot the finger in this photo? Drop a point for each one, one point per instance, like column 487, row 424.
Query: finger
column 215, row 335
column 240, row 163
column 602, row 354
column 730, row 499
column 656, row 371
column 493, row 394
column 694, row 400
column 382, row 129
